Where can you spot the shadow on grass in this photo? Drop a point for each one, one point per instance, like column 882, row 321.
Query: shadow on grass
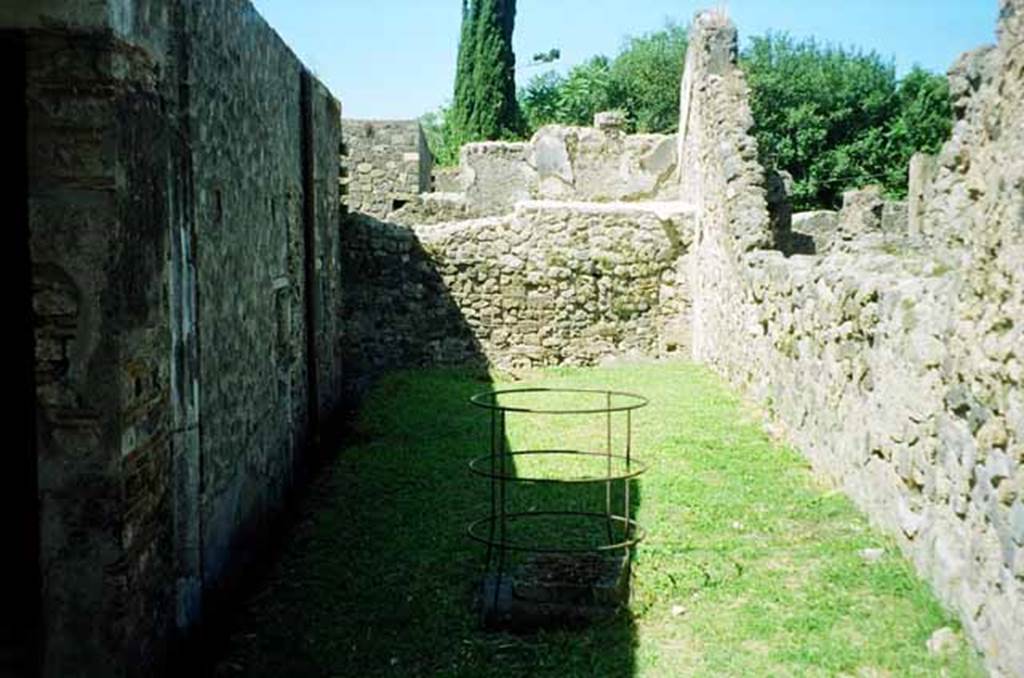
column 750, row 567
column 379, row 577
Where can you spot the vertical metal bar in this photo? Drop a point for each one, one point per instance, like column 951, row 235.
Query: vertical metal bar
column 494, row 512
column 501, row 508
column 608, row 454
column 629, row 437
column 627, row 481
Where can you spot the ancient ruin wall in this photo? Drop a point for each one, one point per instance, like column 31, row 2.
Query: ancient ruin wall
column 385, row 164
column 389, row 174
column 176, row 268
column 549, row 284
column 569, row 163
column 266, row 258
column 102, row 385
column 897, row 370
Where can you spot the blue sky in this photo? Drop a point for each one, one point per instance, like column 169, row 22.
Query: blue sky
column 396, row 58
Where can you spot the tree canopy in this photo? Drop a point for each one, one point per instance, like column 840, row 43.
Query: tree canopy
column 485, row 104
column 838, row 119
column 642, row 81
column 833, row 118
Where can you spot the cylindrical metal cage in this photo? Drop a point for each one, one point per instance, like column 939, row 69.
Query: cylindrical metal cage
column 612, row 466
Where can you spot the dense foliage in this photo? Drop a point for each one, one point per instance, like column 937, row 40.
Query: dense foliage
column 485, row 105
column 442, row 138
column 642, row 81
column 837, row 119
column 834, row 119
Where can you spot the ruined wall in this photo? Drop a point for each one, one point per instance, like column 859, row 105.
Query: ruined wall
column 385, row 163
column 892, row 362
column 550, row 284
column 866, row 220
column 569, row 163
column 388, row 170
column 169, row 291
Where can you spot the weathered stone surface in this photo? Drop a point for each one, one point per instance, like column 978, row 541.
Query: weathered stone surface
column 822, row 226
column 922, row 169
column 569, row 163
column 496, row 175
column 552, row 283
column 445, row 180
column 895, row 217
column 385, row 164
column 892, row 357
column 433, row 208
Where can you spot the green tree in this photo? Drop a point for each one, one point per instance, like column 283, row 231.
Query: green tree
column 924, row 116
column 541, row 100
column 485, row 105
column 643, row 81
column 439, row 129
column 838, row 119
column 589, row 88
column 647, row 72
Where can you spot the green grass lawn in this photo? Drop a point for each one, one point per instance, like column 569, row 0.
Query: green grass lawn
column 749, row 567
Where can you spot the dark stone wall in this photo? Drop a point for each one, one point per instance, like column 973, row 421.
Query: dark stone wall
column 98, row 213
column 19, row 520
column 327, row 142
column 398, row 310
column 182, row 215
column 249, row 253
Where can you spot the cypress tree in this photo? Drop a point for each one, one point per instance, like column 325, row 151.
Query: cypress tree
column 463, row 104
column 485, row 105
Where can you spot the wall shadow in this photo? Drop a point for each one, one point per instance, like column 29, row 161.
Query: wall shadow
column 397, row 312
column 19, row 505
column 379, row 577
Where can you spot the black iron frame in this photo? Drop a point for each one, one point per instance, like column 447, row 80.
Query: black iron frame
column 495, row 467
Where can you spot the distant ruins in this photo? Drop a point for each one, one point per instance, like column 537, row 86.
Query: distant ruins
column 887, row 339
column 202, row 304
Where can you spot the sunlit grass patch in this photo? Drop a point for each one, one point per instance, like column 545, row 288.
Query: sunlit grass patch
column 749, row 568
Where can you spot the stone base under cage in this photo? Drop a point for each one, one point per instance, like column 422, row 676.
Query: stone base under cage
column 556, row 590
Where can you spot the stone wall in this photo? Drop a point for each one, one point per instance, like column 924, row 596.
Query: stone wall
column 98, row 246
column 569, row 163
column 892, row 360
column 184, row 289
column 549, row 284
column 385, row 164
column 867, row 220
column 389, row 172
